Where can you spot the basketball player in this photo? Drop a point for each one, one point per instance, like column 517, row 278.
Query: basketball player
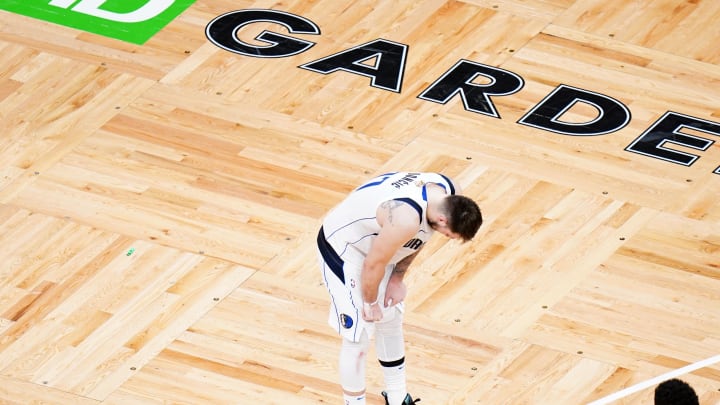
column 366, row 244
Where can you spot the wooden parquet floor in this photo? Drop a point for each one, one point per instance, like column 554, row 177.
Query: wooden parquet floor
column 159, row 203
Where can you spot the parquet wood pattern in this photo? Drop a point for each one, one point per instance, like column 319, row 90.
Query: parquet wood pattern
column 159, row 204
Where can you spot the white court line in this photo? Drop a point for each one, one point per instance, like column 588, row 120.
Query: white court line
column 657, row 380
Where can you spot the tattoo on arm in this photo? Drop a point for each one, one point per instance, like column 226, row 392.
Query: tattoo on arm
column 390, row 206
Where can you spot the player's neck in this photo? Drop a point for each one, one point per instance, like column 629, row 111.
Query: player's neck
column 435, row 197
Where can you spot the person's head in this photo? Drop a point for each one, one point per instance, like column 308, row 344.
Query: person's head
column 675, row 392
column 460, row 218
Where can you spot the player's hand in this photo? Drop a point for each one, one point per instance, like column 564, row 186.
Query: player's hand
column 372, row 312
column 395, row 293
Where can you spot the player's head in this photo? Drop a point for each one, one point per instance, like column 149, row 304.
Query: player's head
column 675, row 392
column 462, row 215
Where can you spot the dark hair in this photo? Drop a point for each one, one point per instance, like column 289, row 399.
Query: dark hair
column 675, row 392
column 464, row 216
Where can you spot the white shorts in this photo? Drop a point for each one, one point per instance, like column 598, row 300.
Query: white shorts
column 346, row 300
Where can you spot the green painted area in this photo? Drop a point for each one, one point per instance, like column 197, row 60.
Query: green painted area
column 133, row 21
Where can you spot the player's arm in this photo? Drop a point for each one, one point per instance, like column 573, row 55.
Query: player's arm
column 399, row 222
column 396, row 289
column 402, row 266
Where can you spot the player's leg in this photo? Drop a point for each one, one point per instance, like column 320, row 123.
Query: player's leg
column 344, row 317
column 390, row 348
column 352, row 328
column 352, row 364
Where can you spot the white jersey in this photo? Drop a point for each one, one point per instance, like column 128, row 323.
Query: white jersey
column 351, row 226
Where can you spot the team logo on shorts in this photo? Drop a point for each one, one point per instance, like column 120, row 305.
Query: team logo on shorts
column 346, row 321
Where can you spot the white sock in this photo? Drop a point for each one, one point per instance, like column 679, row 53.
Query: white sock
column 395, row 385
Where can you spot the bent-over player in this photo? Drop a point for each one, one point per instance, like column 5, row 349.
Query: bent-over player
column 366, row 244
